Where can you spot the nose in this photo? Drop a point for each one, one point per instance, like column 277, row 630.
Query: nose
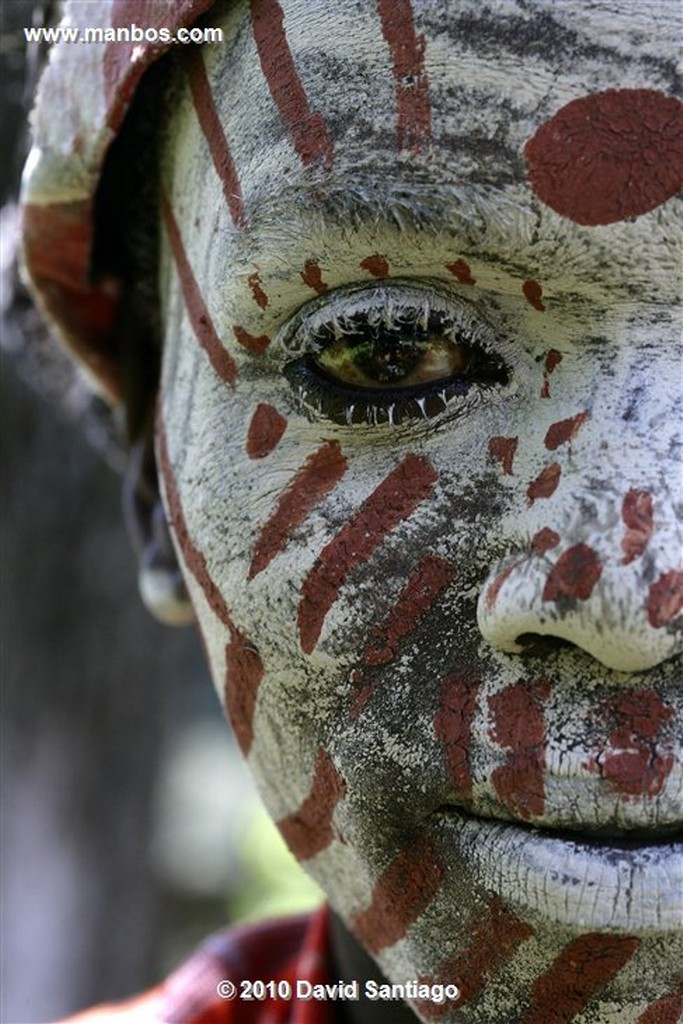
column 608, row 582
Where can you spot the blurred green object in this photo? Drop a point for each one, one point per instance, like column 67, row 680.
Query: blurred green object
column 274, row 883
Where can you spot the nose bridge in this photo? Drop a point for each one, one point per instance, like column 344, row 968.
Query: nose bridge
column 601, row 567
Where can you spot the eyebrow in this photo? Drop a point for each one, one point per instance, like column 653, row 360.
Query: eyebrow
column 476, row 214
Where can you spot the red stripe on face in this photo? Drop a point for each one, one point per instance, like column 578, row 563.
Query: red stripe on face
column 202, row 325
column 545, row 484
column 194, row 559
column 307, row 128
column 502, row 449
column 564, row 430
column 309, row 830
column 312, row 276
column 665, row 599
column 461, row 271
column 518, row 725
column 553, row 359
column 253, row 343
column 212, row 128
column 401, row 894
column 636, row 511
column 667, row 1010
column 630, row 762
column 316, row 478
column 244, row 666
column 265, row 431
column 259, row 296
column 583, row 967
column 393, row 501
column 574, row 575
column 428, row 581
column 410, row 78
column 533, row 293
column 453, row 727
column 244, row 672
column 376, row 265
column 494, row 938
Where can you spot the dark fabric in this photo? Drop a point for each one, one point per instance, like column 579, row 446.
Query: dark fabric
column 290, row 950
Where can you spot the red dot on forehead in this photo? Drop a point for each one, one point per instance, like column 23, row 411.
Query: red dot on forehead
column 610, row 156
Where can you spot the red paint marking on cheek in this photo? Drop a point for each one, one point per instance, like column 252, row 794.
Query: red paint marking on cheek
column 630, row 762
column 265, row 431
column 253, row 343
column 533, row 293
column 410, row 78
column 518, row 724
column 312, row 276
column 309, row 829
column 202, row 325
column 244, row 672
column 666, row 1010
column 545, row 484
column 401, row 894
column 502, row 449
column 244, row 666
column 376, row 265
column 636, row 511
column 256, row 288
column 564, row 430
column 194, row 559
column 307, row 128
column 574, row 575
column 545, row 540
column 428, row 581
column 581, row 970
column 552, row 360
column 665, row 599
column 391, row 503
column 461, row 271
column 494, row 937
column 317, row 477
column 212, row 128
column 453, row 727
column 610, row 156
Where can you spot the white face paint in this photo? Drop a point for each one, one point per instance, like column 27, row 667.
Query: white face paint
column 414, row 422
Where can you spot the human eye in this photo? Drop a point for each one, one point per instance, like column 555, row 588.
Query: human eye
column 390, row 353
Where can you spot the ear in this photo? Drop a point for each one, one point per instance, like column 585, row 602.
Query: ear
column 160, row 580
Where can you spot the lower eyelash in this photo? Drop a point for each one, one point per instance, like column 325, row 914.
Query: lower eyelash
column 347, row 406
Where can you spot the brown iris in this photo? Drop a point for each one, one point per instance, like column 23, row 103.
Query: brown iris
column 387, row 359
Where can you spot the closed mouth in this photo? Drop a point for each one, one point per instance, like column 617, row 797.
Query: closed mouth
column 605, row 836
column 605, row 879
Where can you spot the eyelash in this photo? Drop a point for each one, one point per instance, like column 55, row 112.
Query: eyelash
column 390, row 308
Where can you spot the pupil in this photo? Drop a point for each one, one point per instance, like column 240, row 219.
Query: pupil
column 388, row 356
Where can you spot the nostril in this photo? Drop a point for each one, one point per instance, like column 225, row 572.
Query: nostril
column 541, row 645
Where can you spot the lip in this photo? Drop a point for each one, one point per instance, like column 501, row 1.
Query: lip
column 616, row 884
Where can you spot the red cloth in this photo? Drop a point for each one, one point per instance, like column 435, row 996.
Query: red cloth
column 292, row 949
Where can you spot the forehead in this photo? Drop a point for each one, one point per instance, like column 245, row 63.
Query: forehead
column 441, row 116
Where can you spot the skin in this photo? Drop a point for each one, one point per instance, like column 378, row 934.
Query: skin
column 497, row 814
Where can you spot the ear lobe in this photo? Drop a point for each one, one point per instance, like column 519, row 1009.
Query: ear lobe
column 160, row 580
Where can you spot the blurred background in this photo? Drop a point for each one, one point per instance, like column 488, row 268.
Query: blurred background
column 130, row 828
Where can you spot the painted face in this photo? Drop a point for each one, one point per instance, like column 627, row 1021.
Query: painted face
column 418, row 435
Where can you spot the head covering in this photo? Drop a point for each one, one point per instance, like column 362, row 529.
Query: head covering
column 82, row 101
